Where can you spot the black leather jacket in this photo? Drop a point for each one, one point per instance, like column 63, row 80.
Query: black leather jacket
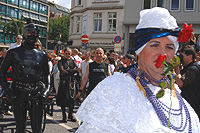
column 29, row 65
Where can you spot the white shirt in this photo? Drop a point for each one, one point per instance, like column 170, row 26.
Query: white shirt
column 112, row 68
column 78, row 60
column 84, row 65
column 13, row 45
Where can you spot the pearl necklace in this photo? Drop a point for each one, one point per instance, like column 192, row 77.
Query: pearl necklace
column 160, row 107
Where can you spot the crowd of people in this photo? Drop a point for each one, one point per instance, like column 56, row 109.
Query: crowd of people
column 120, row 90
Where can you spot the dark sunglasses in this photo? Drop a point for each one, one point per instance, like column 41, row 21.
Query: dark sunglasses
column 67, row 53
column 19, row 38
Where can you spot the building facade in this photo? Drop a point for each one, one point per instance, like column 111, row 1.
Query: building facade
column 37, row 10
column 185, row 11
column 101, row 20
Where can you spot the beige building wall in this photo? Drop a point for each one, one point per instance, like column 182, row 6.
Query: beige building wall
column 104, row 38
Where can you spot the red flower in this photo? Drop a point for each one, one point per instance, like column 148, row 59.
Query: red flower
column 160, row 60
column 186, row 33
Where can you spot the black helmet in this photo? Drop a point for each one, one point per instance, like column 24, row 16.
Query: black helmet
column 30, row 33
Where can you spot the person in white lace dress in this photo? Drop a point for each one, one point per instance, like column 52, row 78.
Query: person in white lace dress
column 119, row 105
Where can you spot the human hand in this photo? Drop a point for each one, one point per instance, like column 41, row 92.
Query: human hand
column 78, row 95
column 119, row 63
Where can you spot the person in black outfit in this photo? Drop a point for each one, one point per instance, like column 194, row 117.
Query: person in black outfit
column 30, row 84
column 96, row 72
column 188, row 78
column 67, row 68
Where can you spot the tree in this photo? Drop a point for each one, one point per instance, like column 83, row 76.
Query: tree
column 11, row 30
column 59, row 28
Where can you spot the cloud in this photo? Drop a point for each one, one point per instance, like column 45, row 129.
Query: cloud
column 65, row 3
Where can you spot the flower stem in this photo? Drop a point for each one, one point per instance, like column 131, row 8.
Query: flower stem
column 170, row 100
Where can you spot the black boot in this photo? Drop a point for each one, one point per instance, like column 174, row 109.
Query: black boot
column 70, row 116
column 64, row 116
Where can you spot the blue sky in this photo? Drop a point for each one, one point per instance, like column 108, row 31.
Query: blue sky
column 65, row 3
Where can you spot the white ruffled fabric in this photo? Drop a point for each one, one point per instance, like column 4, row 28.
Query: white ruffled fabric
column 117, row 106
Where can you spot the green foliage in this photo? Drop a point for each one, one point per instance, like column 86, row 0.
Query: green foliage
column 59, row 28
column 11, row 29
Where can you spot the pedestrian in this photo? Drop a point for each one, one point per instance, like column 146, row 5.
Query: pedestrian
column 134, row 102
column 67, row 68
column 76, row 58
column 17, row 44
column 83, row 69
column 116, row 58
column 111, row 63
column 56, row 74
column 30, row 84
column 125, row 65
column 188, row 79
column 96, row 72
column 2, row 107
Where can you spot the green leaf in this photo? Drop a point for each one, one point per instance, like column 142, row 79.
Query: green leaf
column 176, row 61
column 167, row 73
column 160, row 94
column 163, row 85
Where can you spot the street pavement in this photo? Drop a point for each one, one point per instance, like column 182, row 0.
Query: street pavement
column 53, row 123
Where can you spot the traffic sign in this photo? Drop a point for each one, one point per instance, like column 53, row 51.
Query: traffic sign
column 84, row 38
column 117, row 47
column 118, row 39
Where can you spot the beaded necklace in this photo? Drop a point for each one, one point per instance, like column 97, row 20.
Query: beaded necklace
column 160, row 108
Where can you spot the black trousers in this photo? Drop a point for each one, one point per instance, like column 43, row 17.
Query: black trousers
column 20, row 108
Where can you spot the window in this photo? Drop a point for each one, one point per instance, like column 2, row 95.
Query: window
column 175, row 5
column 34, row 16
column 24, row 3
column 147, row 4
column 79, row 2
column 43, row 19
column 20, row 14
column 13, row 12
column 15, row 2
column 112, row 21
column 189, row 5
column 1, row 37
column 9, row 10
column 34, row 6
column 45, row 32
column 97, row 22
column 43, row 9
column 3, row 8
column 25, row 14
column 78, row 24
column 160, row 3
